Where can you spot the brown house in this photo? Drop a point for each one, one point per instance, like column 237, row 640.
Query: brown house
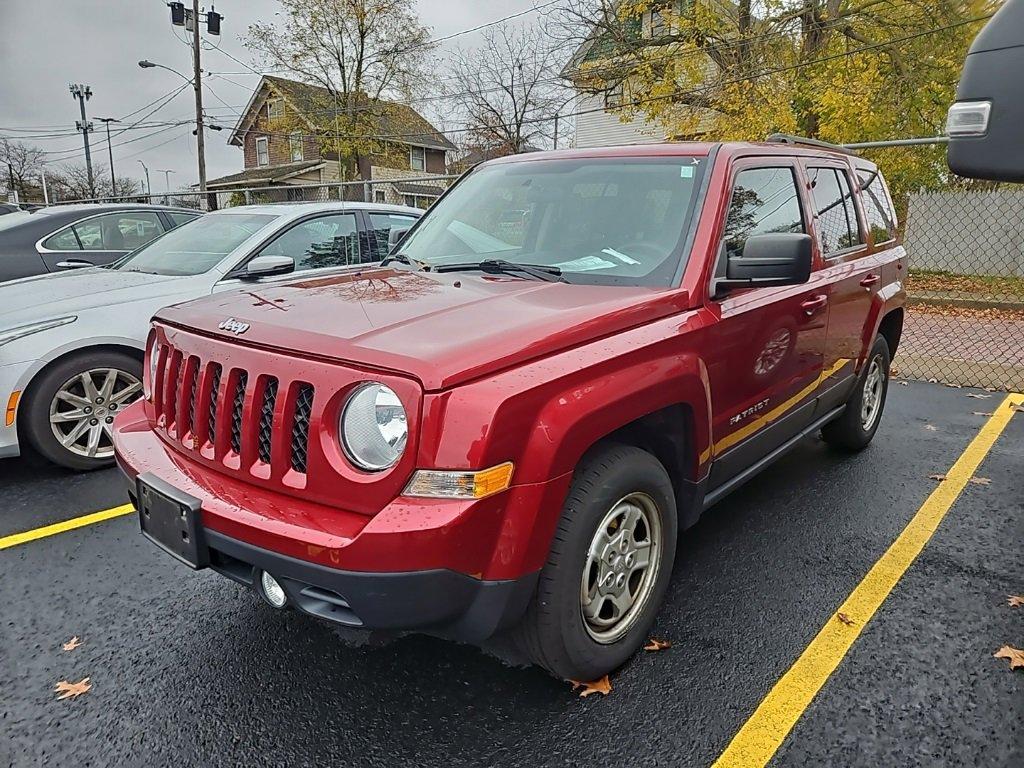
column 280, row 133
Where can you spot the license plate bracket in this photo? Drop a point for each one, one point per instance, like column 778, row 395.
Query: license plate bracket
column 170, row 519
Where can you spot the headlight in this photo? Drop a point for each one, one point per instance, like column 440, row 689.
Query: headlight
column 374, row 429
column 13, row 334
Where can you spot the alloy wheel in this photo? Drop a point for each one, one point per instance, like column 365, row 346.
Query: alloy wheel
column 871, row 399
column 621, row 568
column 82, row 410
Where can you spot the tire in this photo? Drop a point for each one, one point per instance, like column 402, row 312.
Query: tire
column 66, row 377
column 851, row 432
column 553, row 632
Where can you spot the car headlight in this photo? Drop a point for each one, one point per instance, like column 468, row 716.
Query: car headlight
column 374, row 428
column 13, row 334
column 154, row 357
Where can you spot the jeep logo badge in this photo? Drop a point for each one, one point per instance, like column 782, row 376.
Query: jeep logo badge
column 234, row 326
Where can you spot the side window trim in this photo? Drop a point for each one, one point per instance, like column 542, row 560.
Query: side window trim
column 43, row 249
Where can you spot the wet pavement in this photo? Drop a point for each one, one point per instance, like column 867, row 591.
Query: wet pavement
column 190, row 669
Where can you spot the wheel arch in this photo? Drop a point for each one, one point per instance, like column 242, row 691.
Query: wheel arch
column 891, row 328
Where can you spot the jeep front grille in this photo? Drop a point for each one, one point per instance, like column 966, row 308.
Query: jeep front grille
column 236, row 412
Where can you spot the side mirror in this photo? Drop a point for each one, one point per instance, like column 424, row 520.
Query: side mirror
column 769, row 260
column 264, row 266
column 985, row 121
column 396, row 236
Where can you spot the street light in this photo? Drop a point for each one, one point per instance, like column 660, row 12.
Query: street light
column 146, row 64
column 149, row 189
column 167, row 183
column 110, row 153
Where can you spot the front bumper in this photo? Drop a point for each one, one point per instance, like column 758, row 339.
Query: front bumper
column 444, row 567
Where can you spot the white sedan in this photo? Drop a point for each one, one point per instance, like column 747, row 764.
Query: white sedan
column 72, row 343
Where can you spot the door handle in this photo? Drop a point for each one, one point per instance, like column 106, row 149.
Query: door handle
column 813, row 304
column 73, row 264
column 870, row 280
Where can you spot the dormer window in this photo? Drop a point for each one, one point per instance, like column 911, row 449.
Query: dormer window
column 418, row 158
column 275, row 109
column 613, row 97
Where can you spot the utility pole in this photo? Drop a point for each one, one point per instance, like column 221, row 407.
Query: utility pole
column 198, row 85
column 149, row 189
column 10, row 183
column 167, row 183
column 83, row 93
column 110, row 154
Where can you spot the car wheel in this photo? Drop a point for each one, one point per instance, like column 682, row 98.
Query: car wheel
column 71, row 407
column 608, row 568
column 853, row 430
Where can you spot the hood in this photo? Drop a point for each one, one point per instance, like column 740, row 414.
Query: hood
column 62, row 293
column 442, row 329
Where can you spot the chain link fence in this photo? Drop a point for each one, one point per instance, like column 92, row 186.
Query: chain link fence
column 965, row 314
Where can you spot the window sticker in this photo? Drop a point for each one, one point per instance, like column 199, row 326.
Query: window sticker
column 585, row 264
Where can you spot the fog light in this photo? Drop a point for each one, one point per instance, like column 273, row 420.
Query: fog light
column 272, row 591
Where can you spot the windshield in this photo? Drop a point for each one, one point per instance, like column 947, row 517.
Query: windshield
column 617, row 221
column 195, row 247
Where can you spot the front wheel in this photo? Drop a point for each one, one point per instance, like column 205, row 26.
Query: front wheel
column 608, row 568
column 71, row 408
column 853, row 430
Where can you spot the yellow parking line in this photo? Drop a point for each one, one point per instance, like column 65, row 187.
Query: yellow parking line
column 760, row 737
column 67, row 525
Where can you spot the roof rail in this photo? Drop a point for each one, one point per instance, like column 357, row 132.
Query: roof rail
column 785, row 138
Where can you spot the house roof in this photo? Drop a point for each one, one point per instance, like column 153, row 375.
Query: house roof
column 267, row 174
column 398, row 122
column 424, row 190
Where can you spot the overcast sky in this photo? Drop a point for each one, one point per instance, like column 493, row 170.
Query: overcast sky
column 47, row 44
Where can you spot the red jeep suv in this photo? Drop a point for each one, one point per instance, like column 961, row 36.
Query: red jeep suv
column 501, row 430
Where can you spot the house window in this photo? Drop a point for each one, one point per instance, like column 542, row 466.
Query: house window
column 613, row 96
column 295, row 146
column 262, row 151
column 419, row 201
column 275, row 109
column 658, row 24
column 418, row 158
column 379, row 196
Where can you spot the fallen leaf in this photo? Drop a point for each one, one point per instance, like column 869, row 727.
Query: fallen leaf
column 981, row 413
column 980, row 481
column 940, row 478
column 1015, row 655
column 654, row 644
column 1016, row 601
column 845, row 619
column 931, row 428
column 71, row 644
column 904, row 384
column 71, row 690
column 894, row 371
column 1017, row 408
column 602, row 686
column 976, row 396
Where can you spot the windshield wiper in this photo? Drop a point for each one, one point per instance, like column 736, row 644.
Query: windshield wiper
column 401, row 257
column 500, row 266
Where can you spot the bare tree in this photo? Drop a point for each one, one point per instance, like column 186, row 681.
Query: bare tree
column 25, row 163
column 359, row 51
column 71, row 182
column 508, row 90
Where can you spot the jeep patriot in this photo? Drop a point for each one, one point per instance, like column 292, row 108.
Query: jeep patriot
column 498, row 433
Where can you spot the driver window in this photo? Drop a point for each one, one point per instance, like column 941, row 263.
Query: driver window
column 764, row 200
column 329, row 241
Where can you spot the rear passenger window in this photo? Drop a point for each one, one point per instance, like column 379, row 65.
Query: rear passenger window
column 877, row 208
column 764, row 200
column 64, row 240
column 833, row 206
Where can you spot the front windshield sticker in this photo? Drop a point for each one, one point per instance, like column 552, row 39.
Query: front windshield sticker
column 620, row 256
column 585, row 264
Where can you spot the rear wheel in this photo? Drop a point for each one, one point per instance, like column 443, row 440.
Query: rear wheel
column 853, row 430
column 71, row 408
column 608, row 568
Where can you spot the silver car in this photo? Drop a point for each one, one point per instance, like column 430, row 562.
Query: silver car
column 72, row 343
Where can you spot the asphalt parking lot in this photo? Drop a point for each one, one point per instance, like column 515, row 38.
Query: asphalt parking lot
column 189, row 669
